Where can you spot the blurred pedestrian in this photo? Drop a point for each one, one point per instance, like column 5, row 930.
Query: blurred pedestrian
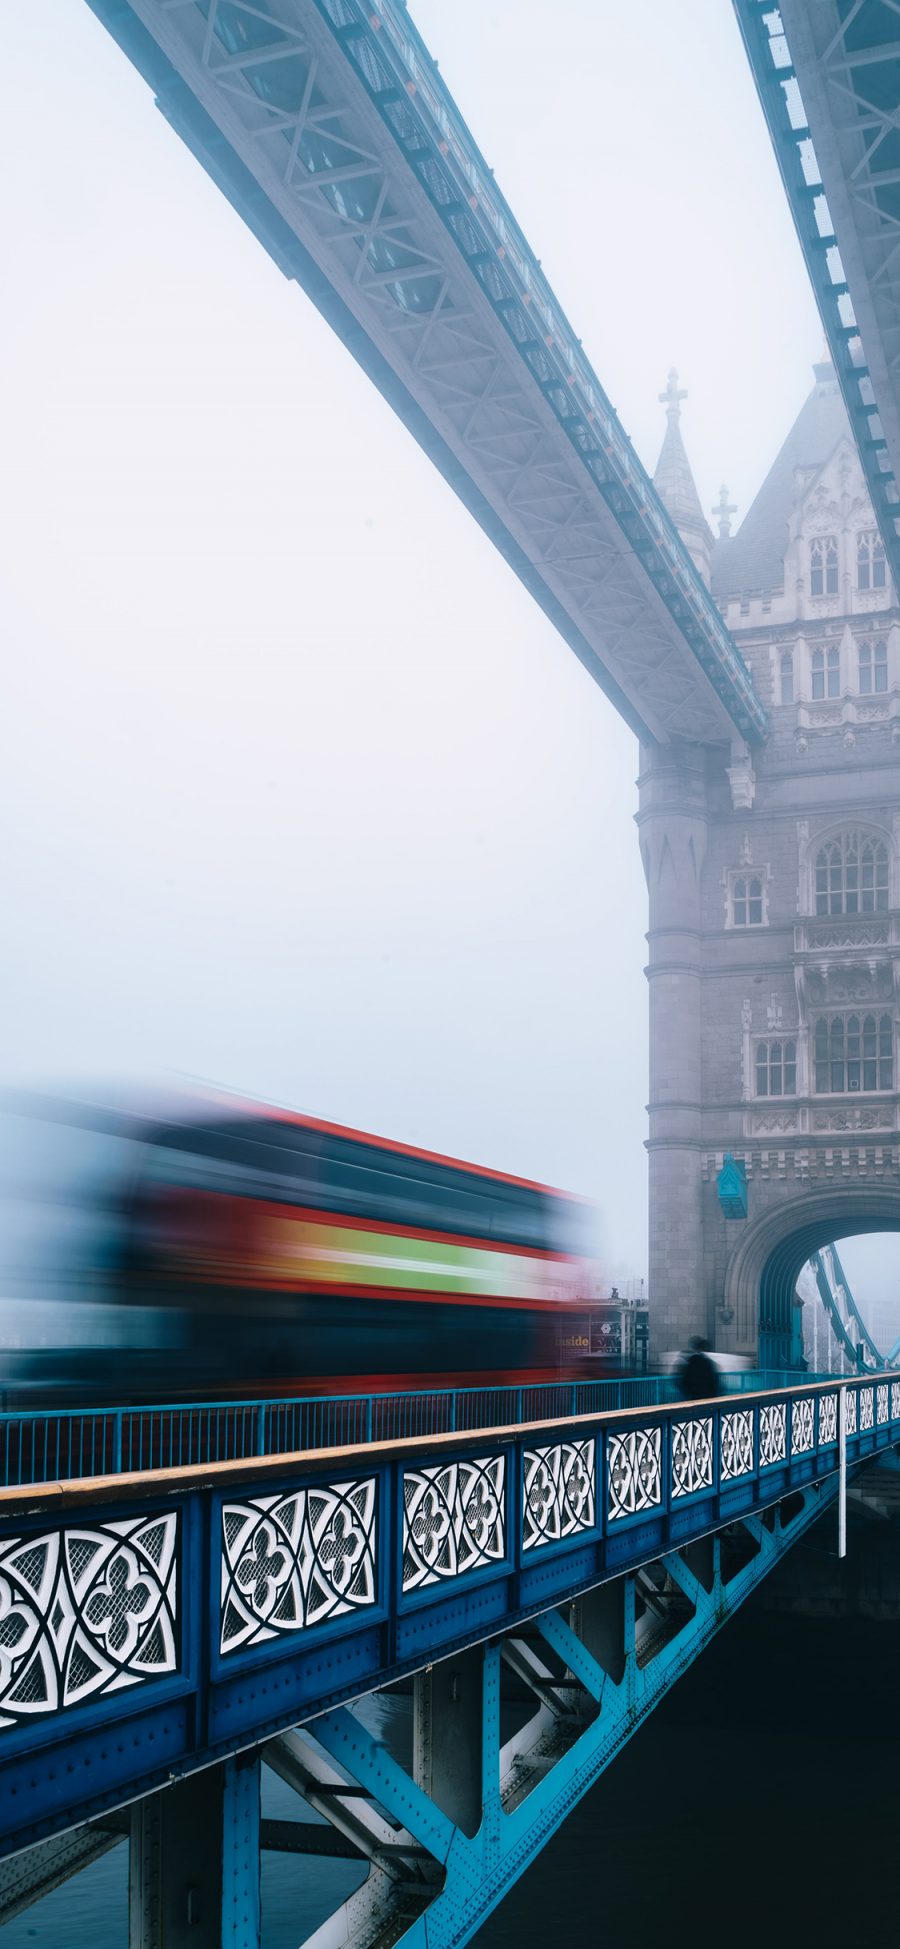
column 696, row 1376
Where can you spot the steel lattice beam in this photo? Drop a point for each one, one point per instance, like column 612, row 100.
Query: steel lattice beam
column 327, row 126
column 824, row 76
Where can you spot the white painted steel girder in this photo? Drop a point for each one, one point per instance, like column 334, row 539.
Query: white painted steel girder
column 326, row 124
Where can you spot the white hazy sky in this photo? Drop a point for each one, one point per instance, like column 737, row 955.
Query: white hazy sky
column 302, row 793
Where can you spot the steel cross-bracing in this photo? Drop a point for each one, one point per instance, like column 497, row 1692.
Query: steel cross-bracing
column 326, row 124
column 842, row 1312
column 175, row 1626
column 826, row 74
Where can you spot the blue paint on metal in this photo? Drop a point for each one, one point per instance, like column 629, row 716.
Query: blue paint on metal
column 241, row 1903
column 776, row 82
column 65, row 1764
column 73, row 1443
column 479, row 1870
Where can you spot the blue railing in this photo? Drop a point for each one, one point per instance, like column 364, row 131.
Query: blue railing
column 68, row 1444
column 154, row 1627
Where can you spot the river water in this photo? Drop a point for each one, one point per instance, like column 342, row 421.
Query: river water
column 760, row 1804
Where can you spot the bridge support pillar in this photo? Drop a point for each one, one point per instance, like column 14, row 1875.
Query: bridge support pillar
column 449, row 1736
column 673, row 832
column 194, row 1869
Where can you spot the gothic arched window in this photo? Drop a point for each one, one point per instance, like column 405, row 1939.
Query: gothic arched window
column 852, row 876
column 776, row 1068
column 872, row 665
column 826, row 672
column 823, row 567
column 870, row 565
column 787, row 678
column 853, row 1052
column 747, row 902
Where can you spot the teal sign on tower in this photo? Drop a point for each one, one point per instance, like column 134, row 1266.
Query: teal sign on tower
column 731, row 1185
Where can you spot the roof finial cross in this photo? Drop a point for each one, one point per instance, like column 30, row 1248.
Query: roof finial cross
column 671, row 399
column 724, row 509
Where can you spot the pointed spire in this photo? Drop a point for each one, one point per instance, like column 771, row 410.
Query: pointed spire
column 675, row 483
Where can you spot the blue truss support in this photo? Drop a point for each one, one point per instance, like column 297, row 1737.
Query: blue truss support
column 479, row 1870
column 215, row 1669
column 854, row 1309
column 241, row 1906
column 831, row 1306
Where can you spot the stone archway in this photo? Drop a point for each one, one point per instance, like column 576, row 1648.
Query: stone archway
column 763, row 1270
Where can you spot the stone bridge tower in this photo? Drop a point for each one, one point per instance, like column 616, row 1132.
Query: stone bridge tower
column 774, row 896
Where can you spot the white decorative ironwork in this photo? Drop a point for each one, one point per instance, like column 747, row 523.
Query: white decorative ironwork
column 692, row 1456
column 736, row 1444
column 850, row 1410
column 454, row 1519
column 292, row 1561
column 895, row 1400
column 559, row 1497
column 85, row 1611
column 803, row 1437
column 634, row 1472
column 772, row 1434
column 866, row 1409
column 881, row 1401
column 827, row 1419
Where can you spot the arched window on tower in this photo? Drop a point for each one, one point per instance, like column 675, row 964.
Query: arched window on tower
column 747, row 901
column 823, row 566
column 853, row 1052
column 870, row 564
column 776, row 1068
column 787, row 678
column 826, row 672
column 851, row 875
column 873, row 674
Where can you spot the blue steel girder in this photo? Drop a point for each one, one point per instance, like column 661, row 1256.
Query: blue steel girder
column 479, row 1869
column 153, row 1624
column 327, row 126
column 825, row 75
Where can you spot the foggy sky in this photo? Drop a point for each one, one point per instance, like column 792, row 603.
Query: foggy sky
column 302, row 794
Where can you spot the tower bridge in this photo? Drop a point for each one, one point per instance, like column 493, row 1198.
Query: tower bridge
column 760, row 668
column 164, row 1631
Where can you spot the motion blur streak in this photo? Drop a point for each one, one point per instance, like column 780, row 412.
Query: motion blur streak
column 212, row 1245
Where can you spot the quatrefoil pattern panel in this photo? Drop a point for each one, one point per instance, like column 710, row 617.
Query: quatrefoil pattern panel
column 692, row 1456
column 850, row 1410
column 85, row 1611
column 454, row 1519
column 736, row 1444
column 292, row 1561
column 895, row 1400
column 866, row 1409
column 827, row 1419
column 803, row 1436
column 772, row 1434
column 881, row 1402
column 559, row 1492
column 634, row 1472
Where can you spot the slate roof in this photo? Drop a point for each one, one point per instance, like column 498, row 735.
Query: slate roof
column 753, row 559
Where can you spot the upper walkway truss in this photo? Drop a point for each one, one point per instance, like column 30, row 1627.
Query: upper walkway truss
column 327, row 125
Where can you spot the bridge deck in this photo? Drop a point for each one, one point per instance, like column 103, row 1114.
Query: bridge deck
column 161, row 1620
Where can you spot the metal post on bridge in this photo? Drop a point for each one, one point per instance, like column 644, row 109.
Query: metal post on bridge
column 194, row 1867
column 842, row 1475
